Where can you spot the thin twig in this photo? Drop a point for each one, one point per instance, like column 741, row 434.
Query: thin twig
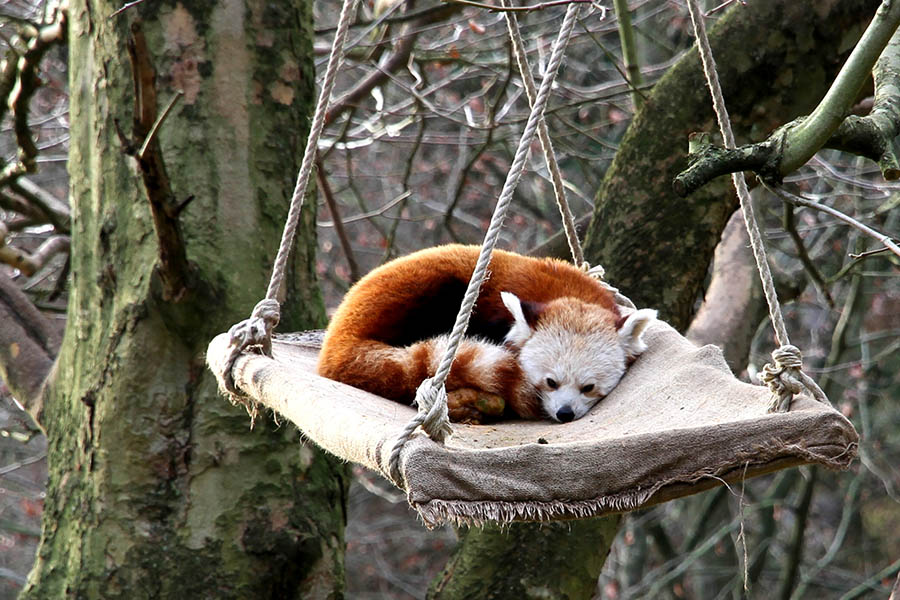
column 125, row 7
column 725, row 4
column 790, row 226
column 338, row 224
column 868, row 253
column 159, row 122
column 871, row 584
column 533, row 7
column 22, row 463
column 372, row 213
column 801, row 201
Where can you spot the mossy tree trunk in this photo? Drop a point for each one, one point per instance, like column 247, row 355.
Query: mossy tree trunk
column 157, row 489
column 775, row 62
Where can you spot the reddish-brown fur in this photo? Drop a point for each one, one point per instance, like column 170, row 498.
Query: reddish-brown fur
column 381, row 338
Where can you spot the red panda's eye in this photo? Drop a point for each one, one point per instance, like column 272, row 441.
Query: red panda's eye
column 551, row 383
column 587, row 389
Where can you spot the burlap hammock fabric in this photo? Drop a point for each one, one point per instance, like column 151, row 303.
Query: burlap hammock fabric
column 677, row 424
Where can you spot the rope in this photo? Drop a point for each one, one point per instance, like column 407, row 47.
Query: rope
column 431, row 395
column 785, row 377
column 257, row 330
column 518, row 47
column 562, row 202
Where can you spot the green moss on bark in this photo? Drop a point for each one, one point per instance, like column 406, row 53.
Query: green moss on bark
column 157, row 487
column 533, row 561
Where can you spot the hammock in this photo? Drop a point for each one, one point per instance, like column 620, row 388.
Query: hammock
column 678, row 423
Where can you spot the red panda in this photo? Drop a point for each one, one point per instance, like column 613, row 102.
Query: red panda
column 544, row 339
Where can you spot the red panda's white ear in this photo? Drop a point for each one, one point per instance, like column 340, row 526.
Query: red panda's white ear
column 632, row 329
column 520, row 330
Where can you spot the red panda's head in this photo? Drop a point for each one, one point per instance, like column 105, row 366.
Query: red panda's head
column 573, row 352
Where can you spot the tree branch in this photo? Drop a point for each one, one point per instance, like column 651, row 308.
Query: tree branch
column 29, row 264
column 338, row 223
column 791, row 145
column 173, row 269
column 801, row 201
column 57, row 212
column 398, row 58
column 533, row 7
column 873, row 136
column 28, row 346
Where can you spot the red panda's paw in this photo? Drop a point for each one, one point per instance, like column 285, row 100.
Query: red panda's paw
column 468, row 405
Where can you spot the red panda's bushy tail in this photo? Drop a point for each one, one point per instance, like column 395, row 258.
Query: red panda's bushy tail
column 396, row 372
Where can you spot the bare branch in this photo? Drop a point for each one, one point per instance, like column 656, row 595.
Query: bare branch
column 57, row 212
column 801, row 201
column 29, row 264
column 398, row 59
column 26, row 83
column 790, row 225
column 791, row 145
column 174, row 269
column 125, row 7
column 28, row 346
column 338, row 224
column 531, row 8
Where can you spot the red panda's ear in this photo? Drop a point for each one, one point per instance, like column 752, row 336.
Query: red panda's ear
column 525, row 315
column 631, row 330
column 532, row 311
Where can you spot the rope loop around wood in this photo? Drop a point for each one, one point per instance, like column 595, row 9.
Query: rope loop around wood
column 432, row 417
column 785, row 378
column 255, row 331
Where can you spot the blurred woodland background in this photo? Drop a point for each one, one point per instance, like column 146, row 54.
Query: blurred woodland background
column 428, row 110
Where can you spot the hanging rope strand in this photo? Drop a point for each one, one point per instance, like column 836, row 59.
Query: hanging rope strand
column 515, row 36
column 784, row 378
column 562, row 202
column 506, row 194
column 309, row 155
column 257, row 330
column 431, row 396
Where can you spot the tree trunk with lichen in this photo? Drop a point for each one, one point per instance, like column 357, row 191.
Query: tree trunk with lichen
column 775, row 61
column 157, row 489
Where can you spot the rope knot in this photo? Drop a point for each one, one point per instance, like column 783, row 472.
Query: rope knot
column 432, row 417
column 597, row 272
column 785, row 378
column 431, row 401
column 253, row 332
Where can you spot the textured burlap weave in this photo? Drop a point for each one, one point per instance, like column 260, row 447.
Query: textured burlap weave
column 677, row 424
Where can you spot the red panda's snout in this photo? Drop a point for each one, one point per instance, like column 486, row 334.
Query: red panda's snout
column 572, row 352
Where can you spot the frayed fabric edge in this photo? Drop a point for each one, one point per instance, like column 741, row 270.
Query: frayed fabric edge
column 475, row 513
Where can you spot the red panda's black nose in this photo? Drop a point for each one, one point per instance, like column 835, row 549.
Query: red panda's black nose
column 565, row 414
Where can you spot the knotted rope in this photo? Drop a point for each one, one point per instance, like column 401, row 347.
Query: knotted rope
column 785, row 378
column 431, row 395
column 559, row 191
column 257, row 330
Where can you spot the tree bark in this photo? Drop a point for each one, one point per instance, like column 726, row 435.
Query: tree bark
column 657, row 247
column 156, row 488
column 562, row 561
